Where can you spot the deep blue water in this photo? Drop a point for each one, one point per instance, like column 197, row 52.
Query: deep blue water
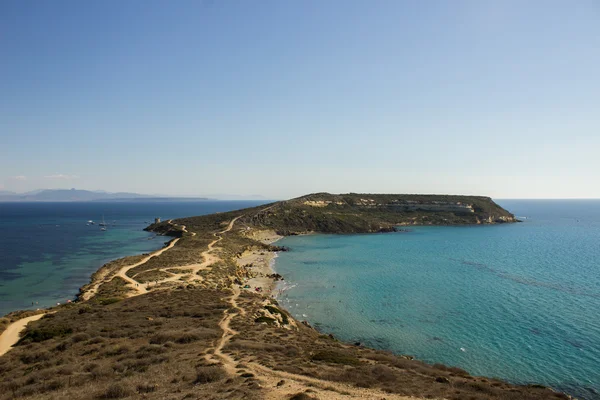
column 516, row 301
column 47, row 252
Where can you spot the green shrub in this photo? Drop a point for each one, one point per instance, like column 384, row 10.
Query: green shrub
column 116, row 391
column 268, row 320
column 187, row 338
column 45, row 333
column 117, row 350
column 80, row 337
column 335, row 357
column 31, row 358
column 146, row 388
column 109, row 300
column 208, row 374
column 275, row 310
column 84, row 309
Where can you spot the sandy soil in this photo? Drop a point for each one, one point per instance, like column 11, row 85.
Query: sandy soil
column 261, row 260
column 11, row 335
column 265, row 236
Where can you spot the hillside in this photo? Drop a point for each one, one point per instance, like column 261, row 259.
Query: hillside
column 363, row 213
column 183, row 322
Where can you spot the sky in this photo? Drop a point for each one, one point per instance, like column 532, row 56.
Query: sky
column 284, row 98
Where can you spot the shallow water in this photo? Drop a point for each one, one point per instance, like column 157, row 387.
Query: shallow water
column 517, row 301
column 47, row 252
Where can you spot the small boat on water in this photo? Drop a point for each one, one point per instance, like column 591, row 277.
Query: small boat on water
column 102, row 224
column 90, row 222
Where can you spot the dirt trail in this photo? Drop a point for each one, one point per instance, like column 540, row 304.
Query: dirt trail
column 122, row 273
column 11, row 335
column 228, row 363
column 139, row 288
column 133, row 284
column 293, row 384
column 271, row 379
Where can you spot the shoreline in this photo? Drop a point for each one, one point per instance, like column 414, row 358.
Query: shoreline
column 258, row 264
column 266, row 266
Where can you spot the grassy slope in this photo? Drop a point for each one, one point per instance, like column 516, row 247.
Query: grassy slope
column 294, row 216
column 155, row 345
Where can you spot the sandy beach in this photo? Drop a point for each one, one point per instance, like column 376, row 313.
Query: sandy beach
column 259, row 263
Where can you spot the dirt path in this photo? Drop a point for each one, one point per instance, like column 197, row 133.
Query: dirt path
column 292, row 384
column 139, row 288
column 228, row 363
column 133, row 284
column 271, row 380
column 11, row 335
column 122, row 273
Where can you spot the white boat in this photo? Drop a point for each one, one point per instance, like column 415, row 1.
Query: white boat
column 90, row 222
column 102, row 223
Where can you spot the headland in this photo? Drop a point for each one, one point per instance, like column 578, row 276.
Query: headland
column 196, row 319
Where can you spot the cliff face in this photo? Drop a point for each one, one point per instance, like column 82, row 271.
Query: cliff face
column 355, row 213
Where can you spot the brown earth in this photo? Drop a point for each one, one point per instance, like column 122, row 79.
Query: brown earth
column 198, row 336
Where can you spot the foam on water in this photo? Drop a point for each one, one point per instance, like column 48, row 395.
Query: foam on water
column 518, row 301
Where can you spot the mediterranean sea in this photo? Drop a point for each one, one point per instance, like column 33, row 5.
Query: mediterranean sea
column 48, row 251
column 519, row 301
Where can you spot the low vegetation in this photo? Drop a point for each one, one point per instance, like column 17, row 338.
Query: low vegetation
column 15, row 316
column 161, row 345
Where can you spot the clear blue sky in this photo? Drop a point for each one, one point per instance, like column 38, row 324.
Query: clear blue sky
column 282, row 98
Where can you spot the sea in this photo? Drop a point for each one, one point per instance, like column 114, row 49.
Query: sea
column 519, row 301
column 48, row 250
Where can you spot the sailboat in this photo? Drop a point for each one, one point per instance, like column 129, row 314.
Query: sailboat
column 102, row 224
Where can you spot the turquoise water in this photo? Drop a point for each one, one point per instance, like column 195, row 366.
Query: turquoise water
column 518, row 301
column 47, row 252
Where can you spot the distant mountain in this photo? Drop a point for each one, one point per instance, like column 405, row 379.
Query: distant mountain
column 156, row 198
column 78, row 195
column 226, row 196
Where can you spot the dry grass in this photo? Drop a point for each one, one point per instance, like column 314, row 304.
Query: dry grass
column 110, row 268
column 156, row 345
column 151, row 344
column 307, row 352
column 187, row 251
column 16, row 315
column 151, row 276
column 115, row 288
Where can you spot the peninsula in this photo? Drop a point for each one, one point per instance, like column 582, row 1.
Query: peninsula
column 187, row 322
